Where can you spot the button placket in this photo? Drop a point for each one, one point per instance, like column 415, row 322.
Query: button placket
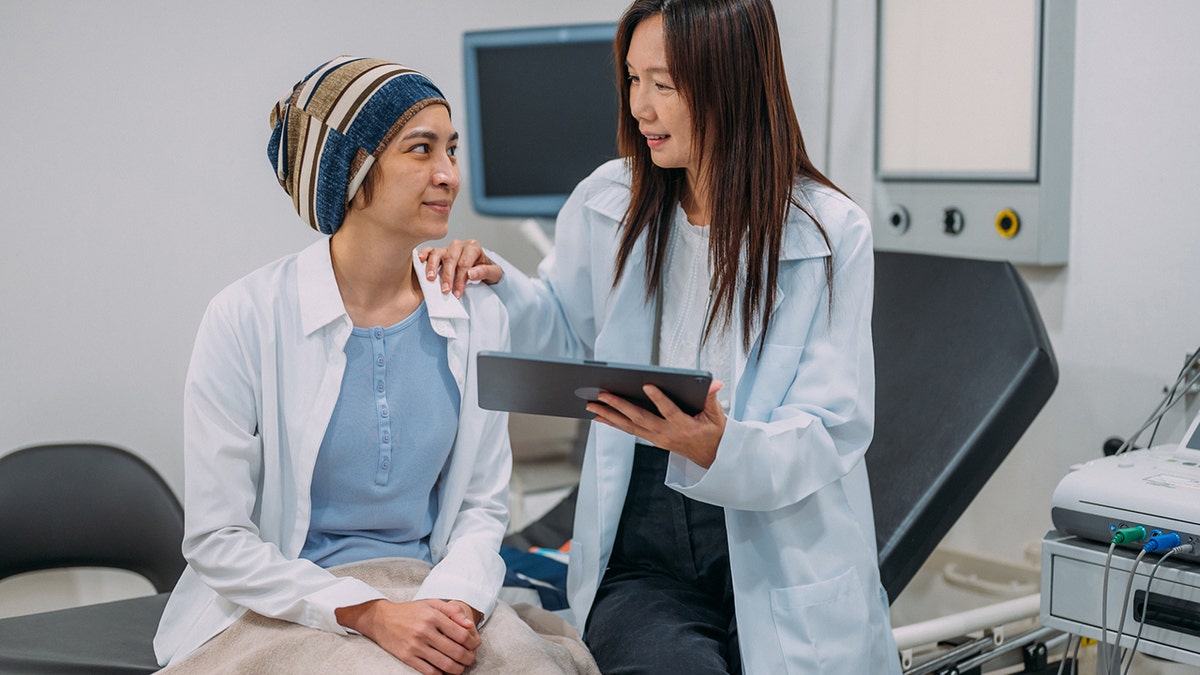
column 379, row 351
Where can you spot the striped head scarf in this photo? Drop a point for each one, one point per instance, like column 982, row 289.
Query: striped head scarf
column 327, row 132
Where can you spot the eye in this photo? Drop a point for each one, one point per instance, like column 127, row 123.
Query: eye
column 422, row 148
column 452, row 151
column 631, row 78
column 663, row 87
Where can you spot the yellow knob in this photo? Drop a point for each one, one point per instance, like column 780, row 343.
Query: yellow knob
column 1008, row 223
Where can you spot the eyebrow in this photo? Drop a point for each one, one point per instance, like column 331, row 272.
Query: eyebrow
column 427, row 135
column 651, row 70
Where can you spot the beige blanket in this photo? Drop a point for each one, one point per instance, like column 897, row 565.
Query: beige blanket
column 516, row 639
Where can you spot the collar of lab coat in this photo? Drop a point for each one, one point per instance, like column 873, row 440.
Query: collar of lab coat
column 321, row 302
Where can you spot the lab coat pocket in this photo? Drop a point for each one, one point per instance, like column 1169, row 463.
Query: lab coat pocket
column 823, row 627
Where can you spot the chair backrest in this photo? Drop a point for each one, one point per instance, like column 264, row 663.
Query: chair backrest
column 963, row 365
column 88, row 505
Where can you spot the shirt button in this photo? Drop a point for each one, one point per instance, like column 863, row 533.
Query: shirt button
column 384, row 412
column 378, row 332
column 386, row 439
column 380, row 361
column 379, row 387
column 384, row 465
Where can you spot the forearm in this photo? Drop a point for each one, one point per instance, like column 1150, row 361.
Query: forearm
column 251, row 573
column 766, row 466
column 538, row 322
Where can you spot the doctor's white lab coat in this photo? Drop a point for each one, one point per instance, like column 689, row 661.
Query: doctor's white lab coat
column 789, row 470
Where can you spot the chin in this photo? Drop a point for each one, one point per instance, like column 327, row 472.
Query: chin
column 667, row 162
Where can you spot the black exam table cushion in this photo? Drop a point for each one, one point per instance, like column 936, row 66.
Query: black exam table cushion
column 110, row 637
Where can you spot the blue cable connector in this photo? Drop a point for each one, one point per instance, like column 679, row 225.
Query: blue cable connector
column 1162, row 542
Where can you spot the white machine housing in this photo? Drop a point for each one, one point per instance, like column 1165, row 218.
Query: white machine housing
column 1073, row 581
column 1157, row 488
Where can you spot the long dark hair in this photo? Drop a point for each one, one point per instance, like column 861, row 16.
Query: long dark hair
column 725, row 60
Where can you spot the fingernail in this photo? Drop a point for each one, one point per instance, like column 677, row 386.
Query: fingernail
column 445, row 288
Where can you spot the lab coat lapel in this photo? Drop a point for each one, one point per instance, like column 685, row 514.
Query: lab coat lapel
column 628, row 334
column 801, row 240
column 626, row 337
column 443, row 310
column 741, row 358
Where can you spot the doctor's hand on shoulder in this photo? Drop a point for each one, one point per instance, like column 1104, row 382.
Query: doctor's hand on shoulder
column 695, row 437
column 460, row 261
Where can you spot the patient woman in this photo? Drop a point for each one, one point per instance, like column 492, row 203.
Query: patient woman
column 330, row 413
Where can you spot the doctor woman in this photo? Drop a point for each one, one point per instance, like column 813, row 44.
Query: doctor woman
column 740, row 539
column 330, row 412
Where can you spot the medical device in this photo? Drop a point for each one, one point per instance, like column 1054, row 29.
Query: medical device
column 541, row 107
column 1110, row 514
column 1157, row 489
column 973, row 128
column 1163, row 617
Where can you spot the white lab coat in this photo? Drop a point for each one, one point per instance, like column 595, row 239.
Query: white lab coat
column 789, row 470
column 265, row 376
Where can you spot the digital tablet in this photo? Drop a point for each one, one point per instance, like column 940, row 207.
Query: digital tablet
column 539, row 385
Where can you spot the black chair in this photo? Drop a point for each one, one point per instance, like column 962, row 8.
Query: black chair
column 86, row 505
column 962, row 365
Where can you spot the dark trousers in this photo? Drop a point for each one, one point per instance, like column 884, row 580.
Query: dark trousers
column 665, row 604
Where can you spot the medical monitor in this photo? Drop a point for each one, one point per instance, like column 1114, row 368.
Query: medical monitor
column 541, row 107
column 974, row 118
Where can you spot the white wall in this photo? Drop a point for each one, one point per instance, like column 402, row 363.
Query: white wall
column 135, row 185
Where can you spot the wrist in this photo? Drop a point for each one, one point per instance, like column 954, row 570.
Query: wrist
column 475, row 615
column 357, row 617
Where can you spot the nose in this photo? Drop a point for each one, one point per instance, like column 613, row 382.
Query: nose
column 639, row 104
column 446, row 174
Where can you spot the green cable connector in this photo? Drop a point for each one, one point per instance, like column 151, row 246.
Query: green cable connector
column 1129, row 535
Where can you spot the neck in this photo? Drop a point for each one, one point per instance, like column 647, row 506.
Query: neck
column 695, row 200
column 374, row 275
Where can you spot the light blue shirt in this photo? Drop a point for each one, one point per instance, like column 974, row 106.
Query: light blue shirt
column 374, row 489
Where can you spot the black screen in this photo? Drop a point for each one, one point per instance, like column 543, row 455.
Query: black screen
column 548, row 114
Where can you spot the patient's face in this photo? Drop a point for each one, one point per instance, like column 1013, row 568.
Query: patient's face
column 416, row 179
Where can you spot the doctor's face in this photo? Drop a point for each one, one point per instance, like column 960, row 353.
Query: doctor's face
column 661, row 112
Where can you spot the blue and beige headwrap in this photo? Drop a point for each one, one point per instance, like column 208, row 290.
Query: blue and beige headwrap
column 327, row 132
